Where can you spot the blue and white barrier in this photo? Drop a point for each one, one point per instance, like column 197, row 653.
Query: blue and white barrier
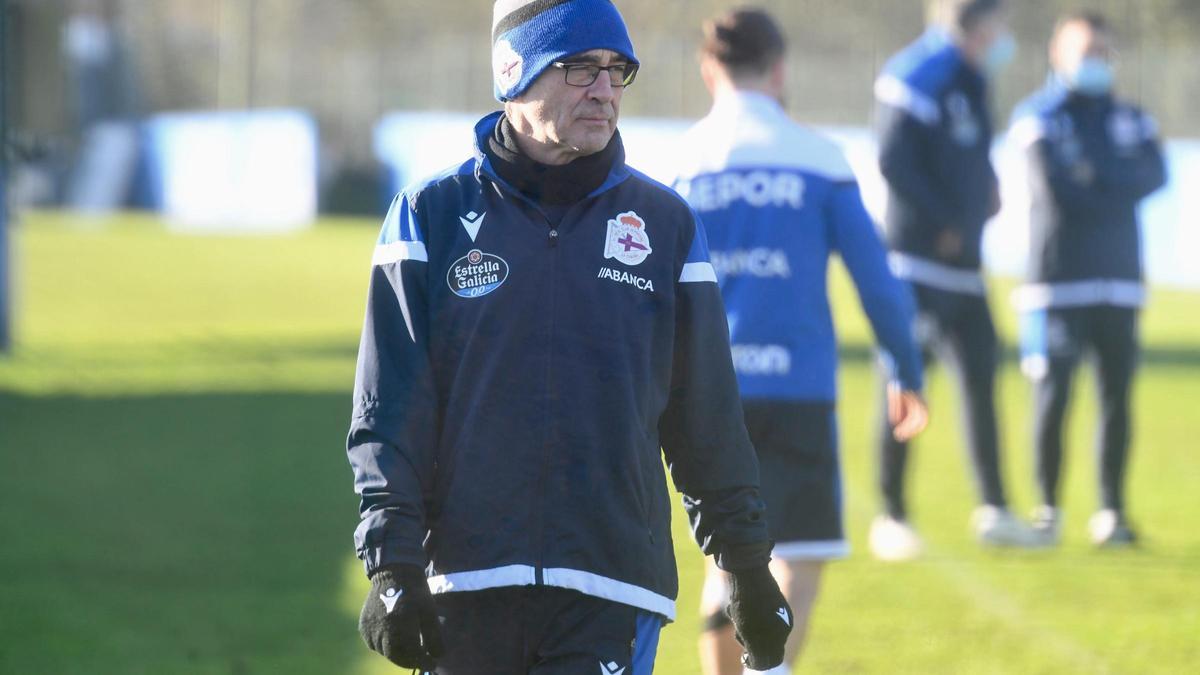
column 243, row 171
column 413, row 145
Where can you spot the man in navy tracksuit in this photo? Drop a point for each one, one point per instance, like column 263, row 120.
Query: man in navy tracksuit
column 935, row 140
column 1091, row 159
column 778, row 200
column 543, row 325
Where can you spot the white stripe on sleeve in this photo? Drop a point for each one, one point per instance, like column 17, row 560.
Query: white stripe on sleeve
column 698, row 272
column 399, row 250
column 899, row 94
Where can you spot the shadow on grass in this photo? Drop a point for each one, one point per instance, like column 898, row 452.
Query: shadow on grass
column 202, row 533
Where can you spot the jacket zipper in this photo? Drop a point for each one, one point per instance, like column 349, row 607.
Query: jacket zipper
column 547, row 445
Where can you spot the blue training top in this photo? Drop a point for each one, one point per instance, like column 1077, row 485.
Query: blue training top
column 777, row 199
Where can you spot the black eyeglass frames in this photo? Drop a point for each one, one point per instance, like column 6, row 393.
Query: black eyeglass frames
column 584, row 74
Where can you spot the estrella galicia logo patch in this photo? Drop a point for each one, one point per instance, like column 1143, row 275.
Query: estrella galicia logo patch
column 476, row 274
column 627, row 239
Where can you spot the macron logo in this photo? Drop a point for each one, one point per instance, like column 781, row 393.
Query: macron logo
column 471, row 223
column 783, row 614
column 611, row 668
column 390, row 597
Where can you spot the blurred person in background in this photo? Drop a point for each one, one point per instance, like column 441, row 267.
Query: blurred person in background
column 543, row 324
column 1091, row 158
column 935, row 138
column 777, row 201
column 104, row 93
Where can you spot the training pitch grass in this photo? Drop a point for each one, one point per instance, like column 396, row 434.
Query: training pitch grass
column 174, row 497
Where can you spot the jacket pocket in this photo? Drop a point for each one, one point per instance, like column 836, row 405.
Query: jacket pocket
column 645, row 485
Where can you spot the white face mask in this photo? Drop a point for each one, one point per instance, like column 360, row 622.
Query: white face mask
column 999, row 54
column 1093, row 77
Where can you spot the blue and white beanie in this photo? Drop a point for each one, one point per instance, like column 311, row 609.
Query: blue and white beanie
column 529, row 35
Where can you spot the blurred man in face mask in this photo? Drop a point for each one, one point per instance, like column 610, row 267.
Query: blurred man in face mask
column 935, row 137
column 1091, row 159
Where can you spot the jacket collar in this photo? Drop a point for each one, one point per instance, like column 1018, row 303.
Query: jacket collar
column 1057, row 90
column 484, row 129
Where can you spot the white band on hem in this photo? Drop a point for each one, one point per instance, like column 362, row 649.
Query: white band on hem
column 1117, row 292
column 811, row 550
column 609, row 589
column 477, row 580
column 584, row 582
column 936, row 275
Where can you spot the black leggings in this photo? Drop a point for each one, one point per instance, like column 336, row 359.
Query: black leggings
column 957, row 329
column 1109, row 334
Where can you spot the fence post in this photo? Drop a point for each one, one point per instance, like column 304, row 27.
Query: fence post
column 5, row 256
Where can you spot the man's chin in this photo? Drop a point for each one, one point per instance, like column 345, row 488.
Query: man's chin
column 594, row 142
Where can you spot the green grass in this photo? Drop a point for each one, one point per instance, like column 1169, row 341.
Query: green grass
column 174, row 497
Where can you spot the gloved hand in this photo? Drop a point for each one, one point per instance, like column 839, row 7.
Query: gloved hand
column 398, row 618
column 761, row 617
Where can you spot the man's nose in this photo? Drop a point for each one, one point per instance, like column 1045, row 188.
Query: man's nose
column 602, row 89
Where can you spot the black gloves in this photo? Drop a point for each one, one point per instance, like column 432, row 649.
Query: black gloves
column 761, row 617
column 398, row 619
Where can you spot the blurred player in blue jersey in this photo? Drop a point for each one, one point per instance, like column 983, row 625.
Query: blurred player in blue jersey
column 935, row 138
column 778, row 200
column 1091, row 159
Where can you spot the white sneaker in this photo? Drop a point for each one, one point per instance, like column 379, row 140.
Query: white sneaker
column 1047, row 525
column 894, row 540
column 994, row 526
column 1108, row 529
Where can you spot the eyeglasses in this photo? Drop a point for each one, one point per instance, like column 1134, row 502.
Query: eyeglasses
column 584, row 74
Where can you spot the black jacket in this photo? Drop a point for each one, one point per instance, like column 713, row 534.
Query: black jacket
column 1090, row 161
column 521, row 377
column 935, row 138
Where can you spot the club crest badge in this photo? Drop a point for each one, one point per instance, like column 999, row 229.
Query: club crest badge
column 507, row 65
column 627, row 240
column 476, row 274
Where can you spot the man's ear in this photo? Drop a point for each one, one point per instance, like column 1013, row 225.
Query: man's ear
column 1052, row 50
column 513, row 113
column 710, row 72
column 778, row 78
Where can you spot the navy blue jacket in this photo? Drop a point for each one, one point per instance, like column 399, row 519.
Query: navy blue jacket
column 778, row 201
column 935, row 138
column 516, row 383
column 1090, row 160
